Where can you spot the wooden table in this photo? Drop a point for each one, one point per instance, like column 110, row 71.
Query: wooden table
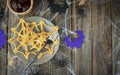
column 99, row 54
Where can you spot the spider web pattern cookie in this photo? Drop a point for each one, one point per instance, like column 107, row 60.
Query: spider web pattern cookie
column 31, row 37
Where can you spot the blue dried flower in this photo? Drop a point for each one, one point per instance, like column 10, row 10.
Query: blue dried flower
column 77, row 42
column 2, row 39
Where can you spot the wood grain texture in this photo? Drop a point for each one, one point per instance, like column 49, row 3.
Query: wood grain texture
column 99, row 54
column 115, row 19
column 101, row 40
column 3, row 52
column 82, row 58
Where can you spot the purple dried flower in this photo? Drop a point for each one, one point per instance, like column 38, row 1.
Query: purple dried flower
column 77, row 42
column 2, row 39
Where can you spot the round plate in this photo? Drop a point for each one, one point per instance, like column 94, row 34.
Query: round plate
column 45, row 57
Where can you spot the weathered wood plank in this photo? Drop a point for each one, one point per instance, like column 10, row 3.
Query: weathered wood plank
column 82, row 58
column 115, row 22
column 12, row 20
column 101, row 39
column 59, row 20
column 3, row 26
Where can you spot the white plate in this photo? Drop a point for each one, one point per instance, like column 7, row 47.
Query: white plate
column 45, row 57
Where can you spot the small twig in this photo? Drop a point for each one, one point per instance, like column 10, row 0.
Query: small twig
column 42, row 13
column 69, row 3
column 54, row 16
column 44, row 9
column 17, row 16
column 66, row 22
